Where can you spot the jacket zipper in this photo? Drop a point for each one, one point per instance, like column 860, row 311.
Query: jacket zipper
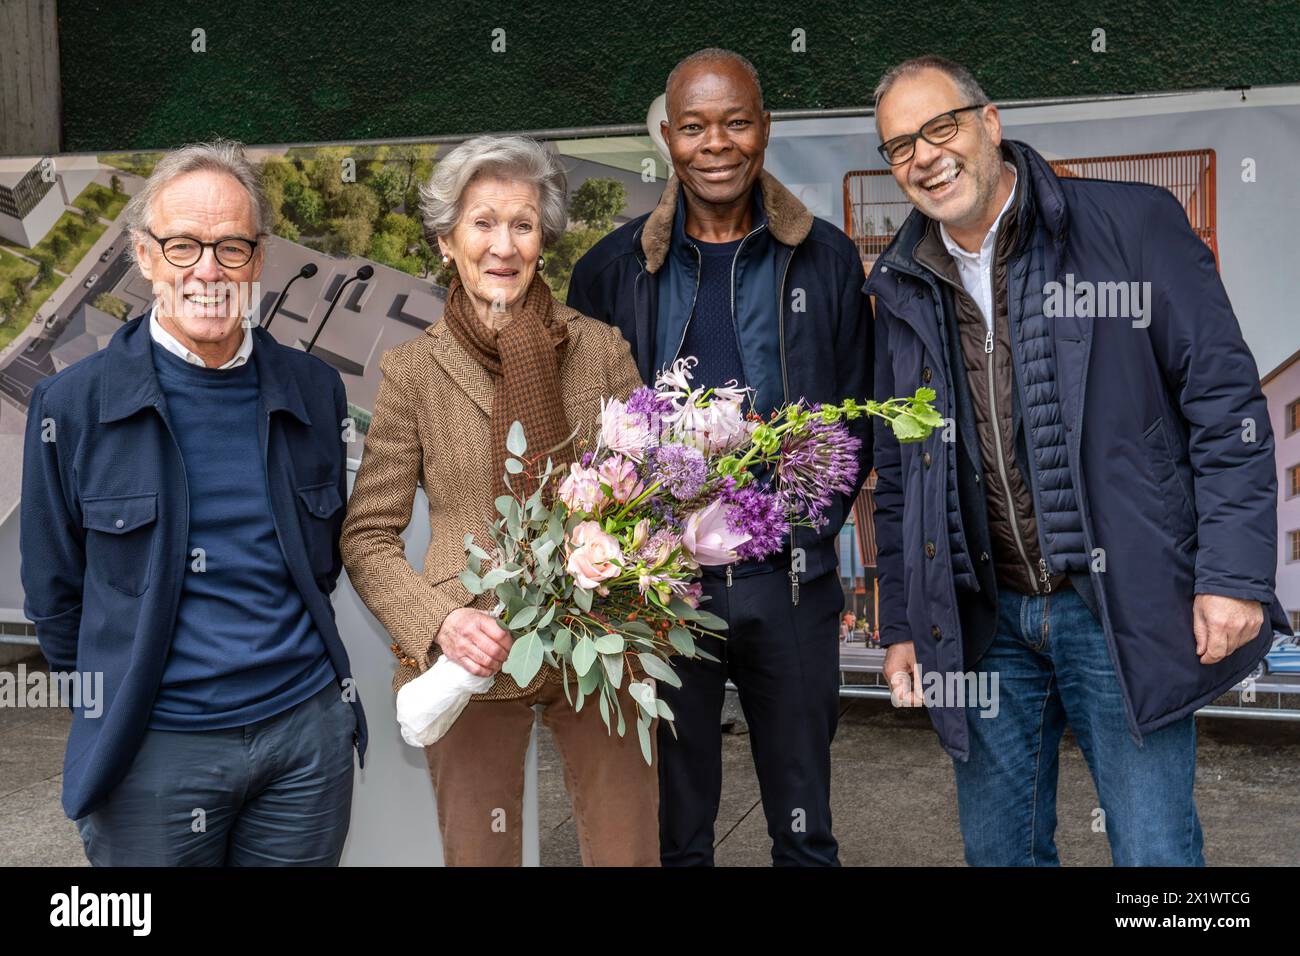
column 785, row 394
column 1002, row 468
column 699, row 267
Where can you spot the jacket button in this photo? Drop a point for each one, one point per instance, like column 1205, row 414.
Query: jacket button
column 936, row 633
column 926, row 374
column 118, row 523
column 984, row 556
column 929, row 549
column 925, row 459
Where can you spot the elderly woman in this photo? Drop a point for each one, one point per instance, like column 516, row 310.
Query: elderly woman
column 504, row 350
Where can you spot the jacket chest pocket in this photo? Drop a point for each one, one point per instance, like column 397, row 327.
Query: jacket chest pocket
column 318, row 509
column 120, row 531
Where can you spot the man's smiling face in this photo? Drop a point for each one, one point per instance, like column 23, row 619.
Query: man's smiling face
column 716, row 130
column 205, row 302
column 954, row 182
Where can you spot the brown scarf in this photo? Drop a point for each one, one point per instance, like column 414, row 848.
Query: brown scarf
column 523, row 357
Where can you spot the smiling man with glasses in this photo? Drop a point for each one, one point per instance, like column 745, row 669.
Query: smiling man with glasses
column 1101, row 534
column 183, row 496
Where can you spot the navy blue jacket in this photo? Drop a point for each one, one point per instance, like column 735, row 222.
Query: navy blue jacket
column 104, row 529
column 802, row 321
column 1148, row 442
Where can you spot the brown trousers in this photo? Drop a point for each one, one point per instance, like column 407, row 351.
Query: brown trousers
column 478, row 779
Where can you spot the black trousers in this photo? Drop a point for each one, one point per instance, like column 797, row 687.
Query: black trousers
column 784, row 660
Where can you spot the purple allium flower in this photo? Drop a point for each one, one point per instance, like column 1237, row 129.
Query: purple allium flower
column 646, row 401
column 815, row 466
column 587, row 458
column 682, row 470
column 759, row 514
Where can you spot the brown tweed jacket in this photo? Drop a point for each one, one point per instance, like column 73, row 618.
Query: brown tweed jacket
column 432, row 426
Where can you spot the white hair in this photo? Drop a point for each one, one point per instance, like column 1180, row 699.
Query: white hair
column 221, row 155
column 513, row 157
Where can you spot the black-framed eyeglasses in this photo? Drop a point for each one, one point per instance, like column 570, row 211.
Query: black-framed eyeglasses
column 184, row 251
column 935, row 131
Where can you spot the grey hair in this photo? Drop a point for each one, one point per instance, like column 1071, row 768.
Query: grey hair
column 514, row 157
column 961, row 77
column 221, row 155
column 712, row 55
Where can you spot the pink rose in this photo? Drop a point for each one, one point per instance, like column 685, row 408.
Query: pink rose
column 706, row 537
column 620, row 474
column 580, row 490
column 594, row 556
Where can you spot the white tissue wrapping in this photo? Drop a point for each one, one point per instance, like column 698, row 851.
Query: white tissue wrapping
column 428, row 705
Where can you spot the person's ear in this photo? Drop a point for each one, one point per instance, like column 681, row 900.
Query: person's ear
column 767, row 126
column 992, row 120
column 143, row 260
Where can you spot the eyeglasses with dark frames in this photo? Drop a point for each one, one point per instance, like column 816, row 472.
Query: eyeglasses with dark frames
column 184, row 251
column 935, row 131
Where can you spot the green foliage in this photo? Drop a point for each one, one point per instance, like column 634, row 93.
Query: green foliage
column 563, row 255
column 597, row 202
column 388, row 186
column 112, row 305
column 349, row 236
column 304, row 205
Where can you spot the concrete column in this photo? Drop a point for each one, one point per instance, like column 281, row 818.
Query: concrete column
column 31, row 106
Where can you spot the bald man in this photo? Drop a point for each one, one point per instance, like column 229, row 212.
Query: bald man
column 732, row 269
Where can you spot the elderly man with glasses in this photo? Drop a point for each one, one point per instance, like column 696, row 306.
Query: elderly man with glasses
column 183, row 496
column 1098, row 530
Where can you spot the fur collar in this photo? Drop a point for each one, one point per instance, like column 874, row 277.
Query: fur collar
column 788, row 219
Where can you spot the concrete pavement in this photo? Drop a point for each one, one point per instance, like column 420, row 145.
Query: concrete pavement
column 893, row 801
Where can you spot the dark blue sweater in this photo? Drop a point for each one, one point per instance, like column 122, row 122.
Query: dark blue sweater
column 244, row 646
column 711, row 334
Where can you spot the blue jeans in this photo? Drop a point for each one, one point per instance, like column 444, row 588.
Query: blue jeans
column 1053, row 668
column 277, row 792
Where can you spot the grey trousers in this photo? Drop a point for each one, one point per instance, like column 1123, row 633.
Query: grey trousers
column 274, row 793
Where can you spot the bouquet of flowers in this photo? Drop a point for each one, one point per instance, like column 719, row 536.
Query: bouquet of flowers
column 599, row 578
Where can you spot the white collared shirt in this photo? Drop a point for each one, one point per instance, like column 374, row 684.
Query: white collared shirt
column 173, row 345
column 976, row 268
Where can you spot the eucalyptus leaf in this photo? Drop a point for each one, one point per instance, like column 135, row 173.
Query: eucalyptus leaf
column 590, row 680
column 613, row 664
column 584, row 655
column 524, row 617
column 514, row 466
column 516, row 444
column 643, row 734
column 582, row 598
column 657, row 669
column 682, row 642
column 665, row 711
column 563, row 642
column 610, row 644
column 711, row 621
column 640, row 628
column 525, row 659
column 604, row 714
column 547, row 617
column 473, row 584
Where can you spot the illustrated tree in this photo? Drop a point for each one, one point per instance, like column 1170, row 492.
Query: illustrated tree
column 59, row 246
column 90, row 216
column 388, row 187
column 597, row 202
column 594, row 206
column 415, row 160
column 115, row 184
